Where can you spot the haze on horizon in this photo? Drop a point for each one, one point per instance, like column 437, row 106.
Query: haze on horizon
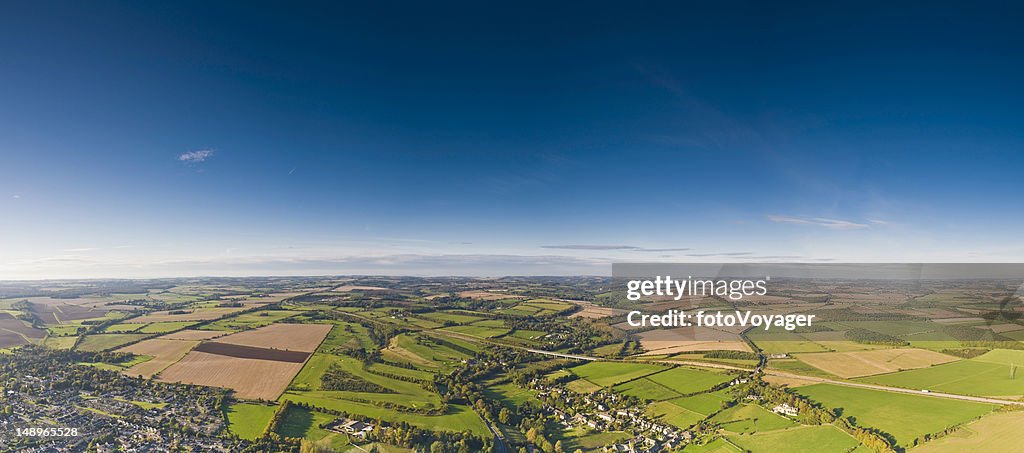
column 462, row 138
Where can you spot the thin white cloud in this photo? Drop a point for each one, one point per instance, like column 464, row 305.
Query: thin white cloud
column 197, row 156
column 82, row 249
column 832, row 224
column 611, row 247
column 16, row 196
column 878, row 221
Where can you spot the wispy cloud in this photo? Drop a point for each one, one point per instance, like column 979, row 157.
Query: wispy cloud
column 197, row 156
column 699, row 255
column 878, row 221
column 82, row 249
column 631, row 248
column 832, row 224
column 16, row 196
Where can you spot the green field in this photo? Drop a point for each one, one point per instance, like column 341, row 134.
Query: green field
column 704, row 403
column 164, row 327
column 104, row 342
column 458, row 417
column 993, row 374
column 587, row 440
column 903, row 416
column 607, row 374
column 685, row 380
column 303, row 423
column 751, row 418
column 646, row 390
column 442, row 316
column 673, row 414
column 992, row 433
column 251, row 320
column 809, row 439
column 478, row 330
column 249, row 420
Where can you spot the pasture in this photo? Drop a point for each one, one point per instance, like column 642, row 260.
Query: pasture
column 607, row 374
column 905, row 417
column 803, row 439
column 247, row 420
column 996, row 432
column 103, row 342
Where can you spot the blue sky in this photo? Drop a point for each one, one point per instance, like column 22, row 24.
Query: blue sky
column 485, row 139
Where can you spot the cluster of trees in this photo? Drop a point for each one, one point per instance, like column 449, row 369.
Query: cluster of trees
column 336, row 378
column 866, row 336
column 737, row 355
column 811, row 413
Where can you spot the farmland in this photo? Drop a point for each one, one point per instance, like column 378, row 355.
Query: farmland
column 905, row 417
column 417, row 352
column 163, row 353
column 252, row 379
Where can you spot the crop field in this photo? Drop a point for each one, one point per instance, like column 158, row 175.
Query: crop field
column 163, row 353
column 103, row 342
column 346, row 336
column 878, row 361
column 687, row 339
column 193, row 335
column 192, row 314
column 249, row 378
column 247, row 420
column 607, row 374
column 992, row 433
column 292, row 337
column 13, row 332
column 251, row 320
column 905, row 417
column 804, row 439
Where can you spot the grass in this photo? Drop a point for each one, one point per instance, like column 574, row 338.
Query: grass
column 478, row 331
column 143, row 404
column 164, row 327
column 673, row 414
column 646, row 390
column 510, row 395
column 704, row 403
column 442, row 316
column 809, row 439
column 303, row 423
column 685, row 380
column 903, row 416
column 607, row 374
column 59, row 342
column 996, row 432
column 248, row 421
column 251, row 320
column 987, row 375
column 751, row 418
column 458, row 417
column 587, row 440
column 104, row 342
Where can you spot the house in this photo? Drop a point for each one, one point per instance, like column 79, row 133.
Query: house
column 785, row 409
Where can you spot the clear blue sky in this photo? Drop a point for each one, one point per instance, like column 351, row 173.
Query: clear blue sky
column 484, row 138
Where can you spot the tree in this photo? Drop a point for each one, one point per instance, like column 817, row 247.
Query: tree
column 503, row 415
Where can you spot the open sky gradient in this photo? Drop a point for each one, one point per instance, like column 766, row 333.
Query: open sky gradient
column 483, row 138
